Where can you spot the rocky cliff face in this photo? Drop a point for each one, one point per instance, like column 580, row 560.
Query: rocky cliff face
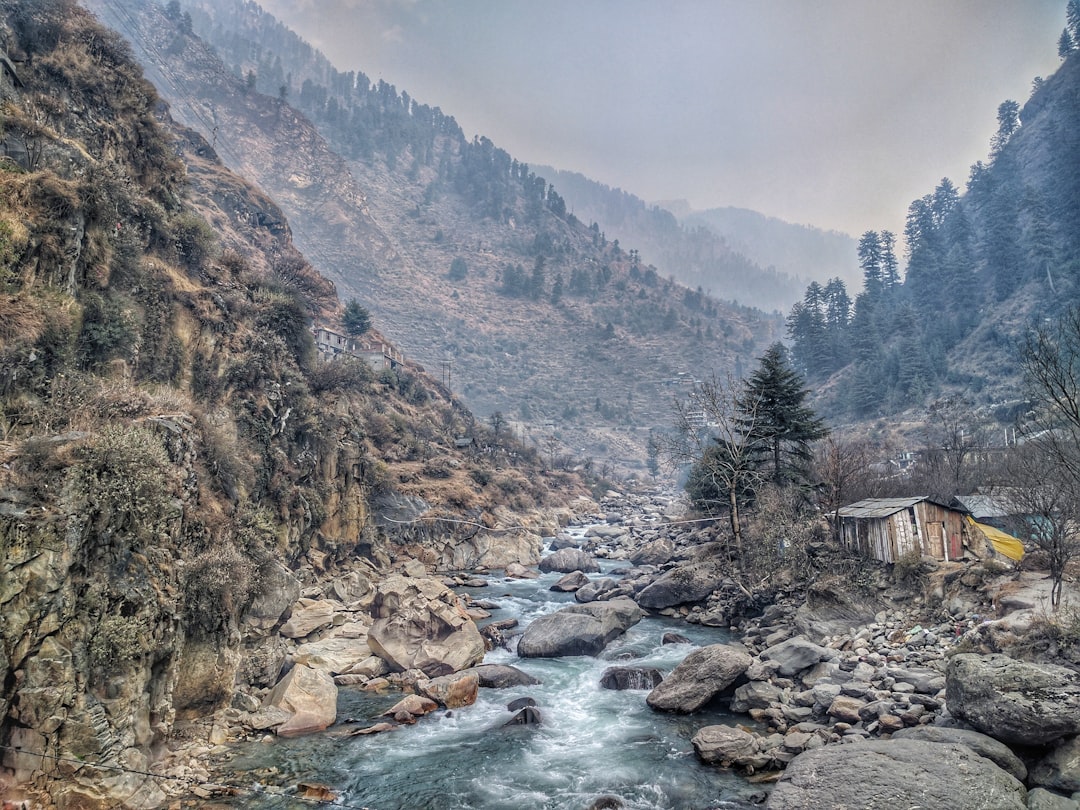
column 175, row 463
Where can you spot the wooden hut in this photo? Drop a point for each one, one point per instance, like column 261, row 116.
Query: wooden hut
column 888, row 528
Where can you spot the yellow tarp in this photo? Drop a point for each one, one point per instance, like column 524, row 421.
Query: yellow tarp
column 1003, row 543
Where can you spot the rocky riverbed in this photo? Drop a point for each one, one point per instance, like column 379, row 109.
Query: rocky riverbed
column 857, row 691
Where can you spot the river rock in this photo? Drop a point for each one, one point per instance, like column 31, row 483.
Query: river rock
column 519, row 571
column 725, row 746
column 570, row 582
column 1060, row 769
column 451, row 691
column 309, row 615
column 681, row 585
column 754, row 695
column 578, row 629
column 795, row 655
column 1043, row 799
column 595, row 590
column 310, row 698
column 630, row 678
column 892, row 774
column 529, row 716
column 420, row 624
column 415, row 705
column 700, row 676
column 502, row 676
column 655, row 552
column 1014, row 701
column 335, row 655
column 567, row 560
column 981, row 744
column 278, row 591
column 832, row 608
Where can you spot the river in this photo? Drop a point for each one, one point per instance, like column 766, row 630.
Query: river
column 592, row 741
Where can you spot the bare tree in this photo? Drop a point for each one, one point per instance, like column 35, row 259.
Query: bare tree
column 1048, row 464
column 843, row 467
column 1045, row 488
column 710, row 436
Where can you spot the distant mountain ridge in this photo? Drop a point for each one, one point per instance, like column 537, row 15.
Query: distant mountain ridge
column 696, row 249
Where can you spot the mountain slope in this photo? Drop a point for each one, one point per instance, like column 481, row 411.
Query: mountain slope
column 174, row 460
column 984, row 267
column 552, row 325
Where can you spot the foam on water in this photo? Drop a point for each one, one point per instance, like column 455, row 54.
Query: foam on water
column 592, row 741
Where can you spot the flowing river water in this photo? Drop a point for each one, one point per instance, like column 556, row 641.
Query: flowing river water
column 592, row 741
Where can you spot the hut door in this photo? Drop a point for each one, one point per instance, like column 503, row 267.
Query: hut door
column 935, row 537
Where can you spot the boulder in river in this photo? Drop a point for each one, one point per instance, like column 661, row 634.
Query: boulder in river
column 681, row 585
column 502, row 676
column 310, row 698
column 700, row 677
column 567, row 560
column 1014, row 701
column 578, row 629
column 981, row 744
column 570, row 582
column 630, row 678
column 529, row 716
column 892, row 774
column 420, row 624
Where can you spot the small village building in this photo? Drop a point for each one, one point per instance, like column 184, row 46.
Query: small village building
column 888, row 528
column 376, row 352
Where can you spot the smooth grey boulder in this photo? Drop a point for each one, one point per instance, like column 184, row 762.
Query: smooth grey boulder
column 980, row 743
column 1014, row 701
column 570, row 582
column 754, row 695
column 567, row 560
column 700, row 677
column 655, row 552
column 795, row 654
column 682, row 585
column 1060, row 769
column 630, row 678
column 1043, row 799
column 726, row 746
column 595, row 591
column 578, row 629
column 502, row 676
column 894, row 774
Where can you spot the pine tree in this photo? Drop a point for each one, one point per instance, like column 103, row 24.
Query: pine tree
column 782, row 426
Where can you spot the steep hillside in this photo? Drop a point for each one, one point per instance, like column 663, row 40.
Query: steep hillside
column 175, row 462
column 802, row 251
column 730, row 253
column 984, row 266
column 470, row 262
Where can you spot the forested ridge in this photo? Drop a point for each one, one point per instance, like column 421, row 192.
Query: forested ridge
column 982, row 266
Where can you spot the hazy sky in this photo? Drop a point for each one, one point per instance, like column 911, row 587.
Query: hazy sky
column 833, row 113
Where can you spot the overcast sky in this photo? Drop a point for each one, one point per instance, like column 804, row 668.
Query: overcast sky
column 833, row 113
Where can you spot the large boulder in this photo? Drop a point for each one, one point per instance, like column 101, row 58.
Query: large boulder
column 832, row 608
column 502, row 676
column 568, row 560
column 795, row 655
column 655, row 552
column 681, row 585
column 1060, row 769
column 451, row 691
column 630, row 678
column 700, row 677
column 728, row 747
column 420, row 624
column 278, row 591
column 578, row 629
column 981, row 744
column 309, row 696
column 892, row 774
column 1014, row 701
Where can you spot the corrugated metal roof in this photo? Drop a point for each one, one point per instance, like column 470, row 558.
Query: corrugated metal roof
column 879, row 507
column 986, row 506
